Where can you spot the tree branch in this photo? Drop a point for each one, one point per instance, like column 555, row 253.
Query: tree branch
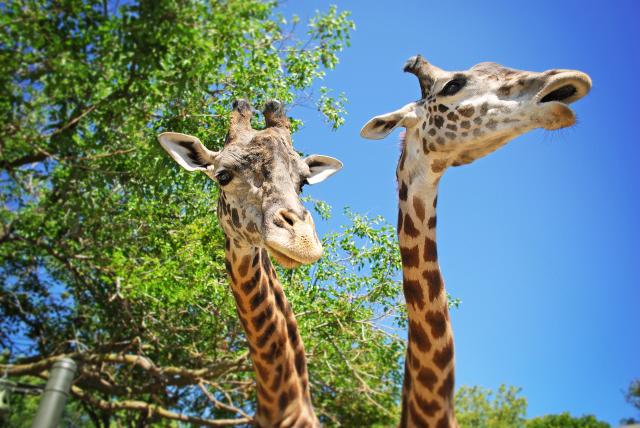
column 220, row 404
column 39, row 156
column 154, row 410
column 172, row 375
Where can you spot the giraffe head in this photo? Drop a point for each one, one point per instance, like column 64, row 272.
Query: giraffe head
column 260, row 177
column 465, row 115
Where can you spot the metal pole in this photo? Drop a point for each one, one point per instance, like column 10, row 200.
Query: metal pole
column 55, row 394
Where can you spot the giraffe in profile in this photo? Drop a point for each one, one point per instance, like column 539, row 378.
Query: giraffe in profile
column 460, row 117
column 260, row 177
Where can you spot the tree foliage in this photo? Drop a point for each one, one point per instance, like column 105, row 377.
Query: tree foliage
column 111, row 255
column 632, row 395
column 565, row 420
column 478, row 407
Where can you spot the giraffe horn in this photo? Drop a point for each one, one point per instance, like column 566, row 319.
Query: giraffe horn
column 274, row 115
column 425, row 72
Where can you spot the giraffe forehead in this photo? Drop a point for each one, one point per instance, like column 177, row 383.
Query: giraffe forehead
column 262, row 150
column 267, row 163
column 494, row 69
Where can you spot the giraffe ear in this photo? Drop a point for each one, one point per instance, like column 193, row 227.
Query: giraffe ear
column 187, row 150
column 321, row 167
column 380, row 126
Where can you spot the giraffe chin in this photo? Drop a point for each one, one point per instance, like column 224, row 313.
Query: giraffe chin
column 282, row 259
column 556, row 115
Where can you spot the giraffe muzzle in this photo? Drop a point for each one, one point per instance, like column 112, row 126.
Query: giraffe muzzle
column 565, row 87
column 552, row 101
column 292, row 240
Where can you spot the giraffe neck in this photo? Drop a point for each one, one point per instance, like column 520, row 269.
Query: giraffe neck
column 427, row 398
column 275, row 346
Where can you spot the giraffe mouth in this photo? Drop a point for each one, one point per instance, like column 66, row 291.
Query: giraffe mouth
column 284, row 260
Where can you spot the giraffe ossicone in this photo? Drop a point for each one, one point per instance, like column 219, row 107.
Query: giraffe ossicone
column 260, row 177
column 460, row 117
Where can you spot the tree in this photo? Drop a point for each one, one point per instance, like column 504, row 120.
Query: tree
column 565, row 420
column 632, row 395
column 477, row 407
column 106, row 256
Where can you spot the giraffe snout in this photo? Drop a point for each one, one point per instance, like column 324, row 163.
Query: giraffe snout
column 287, row 219
column 293, row 235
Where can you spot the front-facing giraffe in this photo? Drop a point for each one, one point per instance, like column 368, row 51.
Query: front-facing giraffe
column 461, row 116
column 260, row 177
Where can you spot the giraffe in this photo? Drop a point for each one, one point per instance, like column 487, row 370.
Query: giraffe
column 260, row 177
column 460, row 117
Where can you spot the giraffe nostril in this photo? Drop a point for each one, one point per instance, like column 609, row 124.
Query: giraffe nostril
column 288, row 220
column 560, row 94
column 285, row 218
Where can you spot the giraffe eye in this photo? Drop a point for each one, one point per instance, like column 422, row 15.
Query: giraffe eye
column 303, row 183
column 453, row 86
column 224, row 177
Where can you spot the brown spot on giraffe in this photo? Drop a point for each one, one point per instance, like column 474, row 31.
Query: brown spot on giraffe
column 466, row 111
column 418, row 207
column 263, row 316
column 403, row 157
column 419, row 337
column 504, row 91
column 266, row 335
column 259, row 297
column 446, row 389
column 409, row 227
column 402, row 193
column 249, row 285
column 413, row 293
column 444, row 356
column 434, row 282
column 417, row 419
column 263, row 371
column 438, row 165
column 444, row 422
column 410, row 256
column 430, row 251
column 438, row 323
column 404, row 413
column 427, row 378
column 428, row 407
column 431, row 223
column 301, row 363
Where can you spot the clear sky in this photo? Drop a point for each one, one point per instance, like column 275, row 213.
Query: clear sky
column 541, row 239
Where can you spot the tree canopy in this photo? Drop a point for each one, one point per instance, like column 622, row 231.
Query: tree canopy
column 478, row 407
column 112, row 256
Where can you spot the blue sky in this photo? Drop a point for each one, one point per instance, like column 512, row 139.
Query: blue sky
column 541, row 239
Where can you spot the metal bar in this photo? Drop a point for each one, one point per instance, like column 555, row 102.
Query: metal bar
column 55, row 394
